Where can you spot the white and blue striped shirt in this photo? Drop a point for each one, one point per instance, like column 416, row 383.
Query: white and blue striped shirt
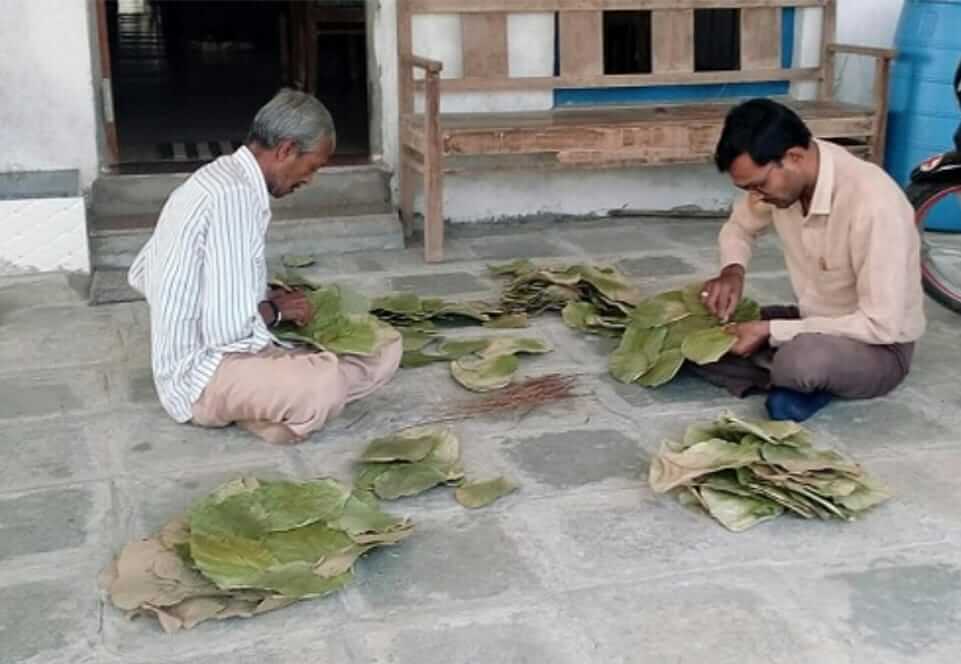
column 203, row 273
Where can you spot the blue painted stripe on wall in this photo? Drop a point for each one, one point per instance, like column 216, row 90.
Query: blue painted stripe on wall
column 667, row 93
column 680, row 93
column 787, row 37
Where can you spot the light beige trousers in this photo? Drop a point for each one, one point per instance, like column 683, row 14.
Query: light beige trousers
column 283, row 396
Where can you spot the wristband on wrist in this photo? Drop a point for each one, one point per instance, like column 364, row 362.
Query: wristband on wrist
column 278, row 317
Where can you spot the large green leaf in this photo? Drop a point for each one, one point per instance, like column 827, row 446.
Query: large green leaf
column 294, row 261
column 482, row 494
column 773, row 432
column 407, row 479
column 736, row 512
column 397, row 303
column 671, row 469
column 746, row 310
column 514, row 268
column 663, row 370
column 365, row 523
column 638, row 352
column 870, row 494
column 485, row 374
column 610, row 282
column 575, row 315
column 678, row 331
column 807, row 459
column 285, row 537
column 508, row 322
column 399, row 447
column 416, row 339
column 707, row 346
column 694, row 301
column 661, row 310
column 453, row 349
column 262, row 507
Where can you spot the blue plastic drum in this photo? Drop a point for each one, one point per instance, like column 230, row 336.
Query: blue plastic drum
column 924, row 108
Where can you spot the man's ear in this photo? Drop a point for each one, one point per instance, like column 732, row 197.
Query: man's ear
column 795, row 155
column 286, row 149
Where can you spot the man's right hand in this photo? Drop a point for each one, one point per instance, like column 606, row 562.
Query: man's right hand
column 722, row 294
column 294, row 306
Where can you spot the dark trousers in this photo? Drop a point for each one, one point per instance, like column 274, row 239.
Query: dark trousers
column 813, row 362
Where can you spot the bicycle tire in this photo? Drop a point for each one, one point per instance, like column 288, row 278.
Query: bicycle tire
column 923, row 196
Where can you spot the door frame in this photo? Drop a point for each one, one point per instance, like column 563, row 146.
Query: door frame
column 104, row 88
column 106, row 112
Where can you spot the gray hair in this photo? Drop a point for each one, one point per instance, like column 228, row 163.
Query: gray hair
column 293, row 116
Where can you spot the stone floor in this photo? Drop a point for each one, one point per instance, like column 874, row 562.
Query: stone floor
column 583, row 564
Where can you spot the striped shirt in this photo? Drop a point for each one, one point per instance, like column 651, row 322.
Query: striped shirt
column 203, row 274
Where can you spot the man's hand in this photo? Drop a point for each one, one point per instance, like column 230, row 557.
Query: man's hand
column 751, row 336
column 722, row 294
column 293, row 305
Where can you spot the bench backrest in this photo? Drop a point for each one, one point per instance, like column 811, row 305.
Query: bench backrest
column 580, row 44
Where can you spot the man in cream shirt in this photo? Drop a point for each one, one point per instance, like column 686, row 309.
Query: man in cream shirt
column 853, row 255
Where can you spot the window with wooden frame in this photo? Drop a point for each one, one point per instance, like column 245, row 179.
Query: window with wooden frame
column 717, row 39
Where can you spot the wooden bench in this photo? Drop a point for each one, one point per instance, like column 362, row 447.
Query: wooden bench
column 432, row 143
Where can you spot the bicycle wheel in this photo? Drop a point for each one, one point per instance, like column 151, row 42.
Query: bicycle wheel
column 937, row 204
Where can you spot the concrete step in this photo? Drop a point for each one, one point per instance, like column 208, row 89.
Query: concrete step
column 291, row 232
column 335, row 190
column 343, row 209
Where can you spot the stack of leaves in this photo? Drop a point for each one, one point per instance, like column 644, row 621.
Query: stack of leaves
column 341, row 324
column 409, row 310
column 669, row 329
column 480, row 364
column 250, row 547
column 412, row 461
column 534, row 290
column 743, row 472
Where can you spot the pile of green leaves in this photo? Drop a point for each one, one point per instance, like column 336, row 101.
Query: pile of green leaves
column 250, row 547
column 411, row 311
column 534, row 290
column 341, row 324
column 479, row 364
column 415, row 460
column 744, row 472
column 666, row 330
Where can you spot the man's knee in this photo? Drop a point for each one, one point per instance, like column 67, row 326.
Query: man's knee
column 390, row 362
column 805, row 363
column 317, row 392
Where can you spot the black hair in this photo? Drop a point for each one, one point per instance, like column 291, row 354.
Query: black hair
column 763, row 129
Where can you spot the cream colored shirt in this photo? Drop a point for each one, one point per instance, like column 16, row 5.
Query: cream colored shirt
column 854, row 261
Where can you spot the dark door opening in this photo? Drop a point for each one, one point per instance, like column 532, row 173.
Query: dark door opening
column 189, row 75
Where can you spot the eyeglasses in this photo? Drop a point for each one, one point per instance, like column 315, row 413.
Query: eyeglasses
column 758, row 185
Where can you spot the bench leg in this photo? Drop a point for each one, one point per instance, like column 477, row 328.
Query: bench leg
column 433, row 212
column 408, row 186
column 433, row 185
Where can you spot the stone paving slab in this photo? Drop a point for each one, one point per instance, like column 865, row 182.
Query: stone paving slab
column 583, row 564
column 47, row 620
column 53, row 392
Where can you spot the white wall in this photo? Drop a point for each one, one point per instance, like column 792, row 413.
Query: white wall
column 47, row 117
column 43, row 235
column 47, row 122
column 868, row 22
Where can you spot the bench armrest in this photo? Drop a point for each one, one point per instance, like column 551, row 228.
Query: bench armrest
column 882, row 84
column 428, row 65
column 871, row 52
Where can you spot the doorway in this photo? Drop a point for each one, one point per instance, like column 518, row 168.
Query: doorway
column 189, row 75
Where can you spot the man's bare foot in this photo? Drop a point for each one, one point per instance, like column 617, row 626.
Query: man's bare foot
column 272, row 432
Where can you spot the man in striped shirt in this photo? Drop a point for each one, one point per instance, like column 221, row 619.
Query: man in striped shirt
column 204, row 276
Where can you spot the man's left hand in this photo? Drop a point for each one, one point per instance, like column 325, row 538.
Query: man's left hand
column 294, row 306
column 751, row 336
